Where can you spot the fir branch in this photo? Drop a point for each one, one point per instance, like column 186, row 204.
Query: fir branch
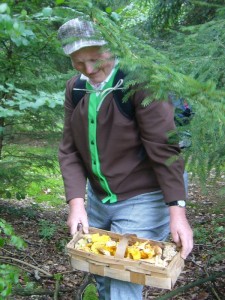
column 206, row 4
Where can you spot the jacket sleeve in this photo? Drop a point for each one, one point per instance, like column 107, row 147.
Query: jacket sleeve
column 72, row 169
column 156, row 123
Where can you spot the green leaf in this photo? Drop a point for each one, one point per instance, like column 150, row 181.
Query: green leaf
column 3, row 7
column 9, row 276
column 7, row 228
column 16, row 25
column 16, row 41
column 17, row 242
column 115, row 16
column 6, row 23
column 24, row 42
column 47, row 11
column 18, row 196
column 2, row 241
column 108, row 10
column 23, row 12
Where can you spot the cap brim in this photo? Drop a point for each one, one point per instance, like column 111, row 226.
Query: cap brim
column 75, row 46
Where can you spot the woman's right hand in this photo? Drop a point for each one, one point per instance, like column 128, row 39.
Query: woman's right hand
column 77, row 214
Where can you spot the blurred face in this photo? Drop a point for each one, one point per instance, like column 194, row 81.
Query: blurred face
column 93, row 63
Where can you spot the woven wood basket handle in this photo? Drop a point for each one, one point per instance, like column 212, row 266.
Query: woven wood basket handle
column 77, row 235
column 123, row 243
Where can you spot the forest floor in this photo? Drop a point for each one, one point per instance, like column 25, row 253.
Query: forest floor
column 44, row 229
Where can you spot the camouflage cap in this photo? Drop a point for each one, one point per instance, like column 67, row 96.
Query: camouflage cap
column 79, row 33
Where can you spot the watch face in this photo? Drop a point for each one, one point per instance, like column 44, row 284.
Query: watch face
column 181, row 203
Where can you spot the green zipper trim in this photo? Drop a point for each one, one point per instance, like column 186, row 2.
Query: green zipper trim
column 94, row 102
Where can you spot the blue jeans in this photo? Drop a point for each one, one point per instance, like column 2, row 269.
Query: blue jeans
column 185, row 176
column 145, row 215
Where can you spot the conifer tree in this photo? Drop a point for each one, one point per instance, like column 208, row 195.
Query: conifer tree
column 31, row 92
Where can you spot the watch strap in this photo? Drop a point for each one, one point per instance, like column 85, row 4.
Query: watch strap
column 176, row 203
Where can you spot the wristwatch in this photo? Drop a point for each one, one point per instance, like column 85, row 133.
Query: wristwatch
column 180, row 203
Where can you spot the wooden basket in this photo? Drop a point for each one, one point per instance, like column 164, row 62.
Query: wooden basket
column 118, row 267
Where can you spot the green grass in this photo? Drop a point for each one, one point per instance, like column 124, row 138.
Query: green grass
column 50, row 190
column 37, row 177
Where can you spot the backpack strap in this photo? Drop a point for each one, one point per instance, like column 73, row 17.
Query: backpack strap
column 76, row 94
column 126, row 108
